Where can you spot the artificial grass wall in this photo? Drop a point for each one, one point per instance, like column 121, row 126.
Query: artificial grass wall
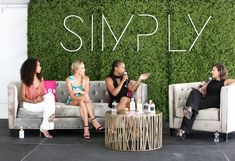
column 215, row 44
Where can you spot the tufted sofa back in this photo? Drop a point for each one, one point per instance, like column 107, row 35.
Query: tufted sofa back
column 181, row 97
column 98, row 92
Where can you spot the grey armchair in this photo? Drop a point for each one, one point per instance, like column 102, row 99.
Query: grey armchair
column 212, row 119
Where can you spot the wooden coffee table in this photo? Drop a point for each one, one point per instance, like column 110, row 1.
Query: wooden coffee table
column 133, row 131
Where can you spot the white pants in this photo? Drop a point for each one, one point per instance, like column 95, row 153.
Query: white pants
column 48, row 108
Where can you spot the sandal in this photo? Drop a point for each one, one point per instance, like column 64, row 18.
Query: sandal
column 45, row 134
column 98, row 129
column 86, row 136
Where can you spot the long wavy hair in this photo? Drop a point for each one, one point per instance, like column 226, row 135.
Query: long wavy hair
column 222, row 70
column 115, row 64
column 28, row 70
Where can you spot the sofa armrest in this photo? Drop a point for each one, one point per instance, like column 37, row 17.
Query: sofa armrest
column 12, row 103
column 178, row 94
column 227, row 107
column 171, row 105
column 141, row 92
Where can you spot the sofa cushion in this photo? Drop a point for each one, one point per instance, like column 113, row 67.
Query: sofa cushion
column 100, row 109
column 64, row 110
column 205, row 114
column 23, row 113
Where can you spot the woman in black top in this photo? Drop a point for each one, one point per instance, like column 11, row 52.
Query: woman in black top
column 119, row 85
column 207, row 96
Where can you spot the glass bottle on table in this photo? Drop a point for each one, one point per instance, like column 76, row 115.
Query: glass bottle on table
column 114, row 108
column 132, row 104
column 152, row 108
column 146, row 106
column 139, row 106
column 149, row 106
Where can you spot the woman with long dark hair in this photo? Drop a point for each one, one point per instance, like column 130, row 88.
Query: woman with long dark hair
column 207, row 96
column 118, row 84
column 33, row 95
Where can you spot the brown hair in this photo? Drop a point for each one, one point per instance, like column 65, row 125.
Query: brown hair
column 222, row 70
column 28, row 70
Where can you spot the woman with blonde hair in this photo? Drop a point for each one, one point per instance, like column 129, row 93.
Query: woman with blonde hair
column 78, row 89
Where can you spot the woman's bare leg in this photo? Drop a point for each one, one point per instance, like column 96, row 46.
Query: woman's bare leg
column 84, row 115
column 124, row 103
column 89, row 107
column 76, row 103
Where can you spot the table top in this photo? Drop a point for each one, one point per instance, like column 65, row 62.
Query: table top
column 132, row 113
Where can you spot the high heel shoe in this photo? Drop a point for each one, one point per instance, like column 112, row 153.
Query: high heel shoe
column 98, row 129
column 182, row 134
column 52, row 118
column 45, row 134
column 183, row 137
column 86, row 136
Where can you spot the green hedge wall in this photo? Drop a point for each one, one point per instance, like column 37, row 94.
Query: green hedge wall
column 152, row 56
column 216, row 44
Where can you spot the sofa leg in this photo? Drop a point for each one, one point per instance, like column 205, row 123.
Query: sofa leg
column 225, row 137
column 13, row 132
column 172, row 132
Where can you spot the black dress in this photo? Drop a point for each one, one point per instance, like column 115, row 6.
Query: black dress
column 123, row 92
column 212, row 98
column 197, row 101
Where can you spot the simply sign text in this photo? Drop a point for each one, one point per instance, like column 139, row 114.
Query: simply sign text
column 138, row 36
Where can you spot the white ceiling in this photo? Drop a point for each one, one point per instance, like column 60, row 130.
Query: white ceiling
column 14, row 1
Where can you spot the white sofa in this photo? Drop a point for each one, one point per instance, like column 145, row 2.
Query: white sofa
column 212, row 119
column 68, row 115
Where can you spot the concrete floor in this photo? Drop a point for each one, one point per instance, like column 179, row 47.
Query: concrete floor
column 68, row 145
